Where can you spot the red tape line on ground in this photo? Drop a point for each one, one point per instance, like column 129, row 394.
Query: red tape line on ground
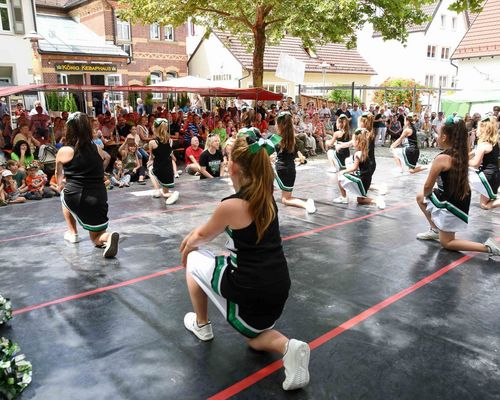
column 276, row 365
column 174, row 269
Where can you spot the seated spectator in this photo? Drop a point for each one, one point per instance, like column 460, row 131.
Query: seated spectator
column 11, row 194
column 53, row 186
column 6, row 132
column 20, row 110
column 36, row 180
column 26, row 135
column 220, row 131
column 120, row 177
column 22, row 154
column 34, row 110
column 17, row 174
column 131, row 162
column 194, row 128
column 39, row 124
column 211, row 160
column 394, row 129
column 192, row 157
column 122, row 127
column 260, row 124
column 97, row 140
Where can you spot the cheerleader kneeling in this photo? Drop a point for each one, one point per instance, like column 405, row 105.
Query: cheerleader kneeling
column 250, row 286
column 356, row 179
column 446, row 208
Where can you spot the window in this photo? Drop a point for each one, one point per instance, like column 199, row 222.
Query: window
column 222, row 77
column 156, row 78
column 429, row 80
column 431, row 51
column 171, row 75
column 453, row 82
column 443, row 21
column 169, row 33
column 62, row 79
column 114, row 97
column 443, row 81
column 155, row 31
column 5, row 23
column 127, row 48
column 122, row 30
column 445, row 53
column 276, row 87
column 454, row 23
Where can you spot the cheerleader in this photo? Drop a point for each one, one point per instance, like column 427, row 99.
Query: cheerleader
column 356, row 178
column 338, row 158
column 447, row 207
column 161, row 171
column 250, row 286
column 485, row 177
column 409, row 153
column 285, row 164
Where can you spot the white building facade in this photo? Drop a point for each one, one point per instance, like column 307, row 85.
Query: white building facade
column 17, row 19
column 426, row 55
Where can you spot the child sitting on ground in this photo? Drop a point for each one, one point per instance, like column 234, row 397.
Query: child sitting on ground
column 120, row 177
column 36, row 183
column 10, row 192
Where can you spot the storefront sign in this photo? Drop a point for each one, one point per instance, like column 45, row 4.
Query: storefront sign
column 68, row 67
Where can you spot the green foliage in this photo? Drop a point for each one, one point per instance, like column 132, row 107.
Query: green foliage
column 396, row 97
column 15, row 370
column 5, row 310
column 316, row 22
column 339, row 95
column 149, row 96
column 52, row 101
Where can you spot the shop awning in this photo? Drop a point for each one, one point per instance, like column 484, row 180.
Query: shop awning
column 244, row 94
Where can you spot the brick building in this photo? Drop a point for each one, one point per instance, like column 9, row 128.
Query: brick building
column 85, row 43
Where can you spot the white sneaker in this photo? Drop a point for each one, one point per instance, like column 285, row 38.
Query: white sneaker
column 172, row 199
column 341, row 200
column 332, row 170
column 179, row 172
column 431, row 234
column 203, row 332
column 111, row 247
column 494, row 250
column 380, row 202
column 310, row 207
column 70, row 237
column 176, row 176
column 296, row 363
column 156, row 193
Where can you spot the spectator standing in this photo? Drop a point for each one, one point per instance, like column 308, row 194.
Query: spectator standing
column 355, row 114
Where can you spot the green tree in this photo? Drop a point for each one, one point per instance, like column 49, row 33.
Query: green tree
column 257, row 22
column 339, row 96
column 396, row 97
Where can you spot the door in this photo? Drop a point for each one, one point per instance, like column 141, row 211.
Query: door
column 97, row 96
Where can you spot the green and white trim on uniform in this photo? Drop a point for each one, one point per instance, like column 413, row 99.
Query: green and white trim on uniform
column 92, row 228
column 358, row 182
column 165, row 185
column 220, row 267
column 241, row 326
column 281, row 184
column 449, row 207
column 486, row 184
column 337, row 160
column 401, row 153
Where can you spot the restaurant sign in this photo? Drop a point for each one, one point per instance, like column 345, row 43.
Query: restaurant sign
column 69, row 67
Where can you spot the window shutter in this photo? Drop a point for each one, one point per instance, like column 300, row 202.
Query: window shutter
column 17, row 13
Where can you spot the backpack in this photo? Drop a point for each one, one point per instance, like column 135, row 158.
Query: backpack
column 47, row 154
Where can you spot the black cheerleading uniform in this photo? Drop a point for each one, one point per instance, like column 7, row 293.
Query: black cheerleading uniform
column 162, row 164
column 255, row 280
column 489, row 168
column 362, row 177
column 342, row 154
column 411, row 151
column 442, row 198
column 371, row 154
column 285, row 168
column 84, row 194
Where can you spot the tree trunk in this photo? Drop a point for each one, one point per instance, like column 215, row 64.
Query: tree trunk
column 259, row 34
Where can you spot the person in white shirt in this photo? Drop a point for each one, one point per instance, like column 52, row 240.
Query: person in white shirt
column 436, row 125
column 33, row 111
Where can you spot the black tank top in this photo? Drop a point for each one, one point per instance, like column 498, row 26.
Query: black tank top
column 162, row 155
column 412, row 139
column 490, row 161
column 85, row 168
column 256, row 265
column 444, row 191
column 284, row 158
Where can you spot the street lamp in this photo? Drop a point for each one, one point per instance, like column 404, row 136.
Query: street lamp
column 324, row 66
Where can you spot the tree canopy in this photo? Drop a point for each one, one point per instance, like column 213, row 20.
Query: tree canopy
column 316, row 22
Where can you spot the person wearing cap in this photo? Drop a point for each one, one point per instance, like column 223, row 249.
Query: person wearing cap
column 407, row 156
column 84, row 196
column 12, row 193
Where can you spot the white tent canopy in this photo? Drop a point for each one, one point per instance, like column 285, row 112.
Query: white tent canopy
column 474, row 96
column 188, row 82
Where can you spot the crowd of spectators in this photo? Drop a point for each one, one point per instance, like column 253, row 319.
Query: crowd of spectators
column 201, row 139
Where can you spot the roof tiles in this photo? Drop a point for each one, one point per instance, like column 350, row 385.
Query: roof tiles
column 483, row 37
column 341, row 59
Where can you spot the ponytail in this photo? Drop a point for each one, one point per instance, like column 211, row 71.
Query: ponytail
column 256, row 179
column 456, row 134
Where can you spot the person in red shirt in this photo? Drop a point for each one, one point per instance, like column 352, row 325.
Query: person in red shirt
column 192, row 157
column 260, row 124
column 39, row 122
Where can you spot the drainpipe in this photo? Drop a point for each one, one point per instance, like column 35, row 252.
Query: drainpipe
column 34, row 14
column 456, row 67
column 243, row 77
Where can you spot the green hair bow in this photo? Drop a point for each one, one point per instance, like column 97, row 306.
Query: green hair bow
column 268, row 144
column 283, row 114
column 452, row 120
column 159, row 121
column 358, row 131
